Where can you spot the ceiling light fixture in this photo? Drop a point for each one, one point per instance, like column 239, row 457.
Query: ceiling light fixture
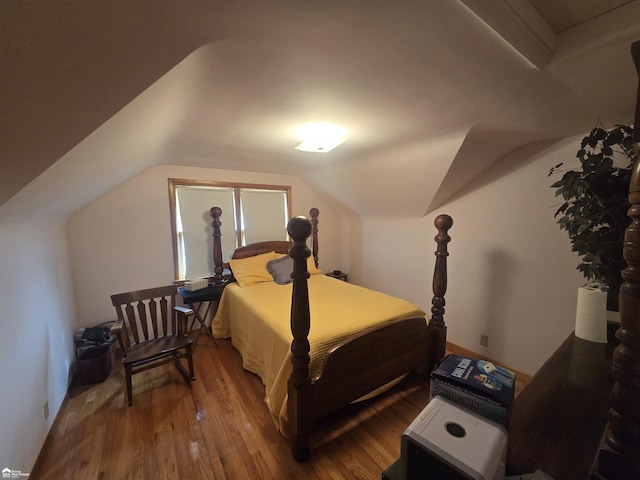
column 320, row 137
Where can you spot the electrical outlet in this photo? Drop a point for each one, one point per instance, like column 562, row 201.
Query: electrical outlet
column 45, row 407
column 484, row 340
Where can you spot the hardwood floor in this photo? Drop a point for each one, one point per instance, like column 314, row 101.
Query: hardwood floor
column 219, row 428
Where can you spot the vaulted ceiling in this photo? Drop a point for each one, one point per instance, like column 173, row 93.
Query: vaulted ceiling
column 440, row 90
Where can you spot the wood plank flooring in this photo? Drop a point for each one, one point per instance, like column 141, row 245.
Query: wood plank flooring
column 219, row 428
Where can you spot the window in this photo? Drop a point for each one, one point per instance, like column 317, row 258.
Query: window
column 250, row 213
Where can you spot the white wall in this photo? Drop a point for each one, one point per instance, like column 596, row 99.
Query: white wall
column 36, row 334
column 512, row 274
column 122, row 240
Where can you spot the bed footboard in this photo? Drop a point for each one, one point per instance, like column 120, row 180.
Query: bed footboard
column 369, row 361
column 364, row 362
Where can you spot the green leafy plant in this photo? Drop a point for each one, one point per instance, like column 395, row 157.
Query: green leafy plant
column 595, row 204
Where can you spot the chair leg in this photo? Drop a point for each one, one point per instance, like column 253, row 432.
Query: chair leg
column 190, row 362
column 127, row 373
column 187, row 375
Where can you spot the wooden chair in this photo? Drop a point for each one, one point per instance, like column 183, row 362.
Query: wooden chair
column 152, row 331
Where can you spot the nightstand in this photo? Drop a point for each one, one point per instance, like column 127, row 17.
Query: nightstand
column 205, row 297
column 339, row 275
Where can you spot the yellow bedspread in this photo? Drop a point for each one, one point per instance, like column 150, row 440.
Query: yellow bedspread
column 257, row 318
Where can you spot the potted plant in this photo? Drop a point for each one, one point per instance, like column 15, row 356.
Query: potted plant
column 595, row 204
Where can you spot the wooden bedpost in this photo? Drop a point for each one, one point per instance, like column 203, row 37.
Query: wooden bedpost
column 216, row 213
column 314, row 212
column 299, row 229
column 443, row 223
column 619, row 457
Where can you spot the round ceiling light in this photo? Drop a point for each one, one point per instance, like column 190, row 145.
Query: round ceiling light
column 320, row 137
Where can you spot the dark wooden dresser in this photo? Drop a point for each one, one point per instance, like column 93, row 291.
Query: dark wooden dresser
column 558, row 419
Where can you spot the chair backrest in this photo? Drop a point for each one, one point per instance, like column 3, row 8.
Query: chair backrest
column 147, row 314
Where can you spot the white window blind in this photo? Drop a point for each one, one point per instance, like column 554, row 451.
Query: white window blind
column 250, row 213
column 264, row 215
column 194, row 204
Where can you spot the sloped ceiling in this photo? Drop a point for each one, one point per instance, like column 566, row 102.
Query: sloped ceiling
column 92, row 92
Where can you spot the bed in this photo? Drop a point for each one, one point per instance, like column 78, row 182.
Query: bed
column 317, row 342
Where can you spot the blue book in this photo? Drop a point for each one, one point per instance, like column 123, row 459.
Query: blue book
column 478, row 385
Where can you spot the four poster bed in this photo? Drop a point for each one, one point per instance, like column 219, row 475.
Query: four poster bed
column 319, row 343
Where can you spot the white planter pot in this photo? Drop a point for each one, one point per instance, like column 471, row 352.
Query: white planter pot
column 591, row 314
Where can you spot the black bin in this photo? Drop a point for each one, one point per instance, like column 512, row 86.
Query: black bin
column 94, row 364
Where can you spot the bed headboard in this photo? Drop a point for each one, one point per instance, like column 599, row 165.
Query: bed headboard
column 278, row 246
column 262, row 247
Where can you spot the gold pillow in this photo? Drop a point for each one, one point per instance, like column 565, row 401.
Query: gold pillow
column 251, row 270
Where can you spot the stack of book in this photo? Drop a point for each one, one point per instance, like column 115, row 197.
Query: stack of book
column 477, row 385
